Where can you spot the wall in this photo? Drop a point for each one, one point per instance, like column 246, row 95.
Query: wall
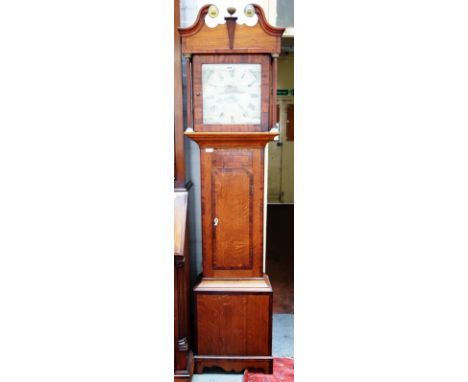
column 281, row 156
column 285, row 13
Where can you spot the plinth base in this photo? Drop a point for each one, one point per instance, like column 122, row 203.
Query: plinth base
column 233, row 324
column 234, row 364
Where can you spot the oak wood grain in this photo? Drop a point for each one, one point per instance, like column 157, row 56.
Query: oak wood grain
column 232, row 139
column 232, row 192
column 260, row 38
column 233, row 324
column 233, row 285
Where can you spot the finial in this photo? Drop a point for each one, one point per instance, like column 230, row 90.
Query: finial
column 231, row 10
column 213, row 11
column 249, row 10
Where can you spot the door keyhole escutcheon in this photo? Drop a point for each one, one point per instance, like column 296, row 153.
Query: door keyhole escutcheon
column 215, row 222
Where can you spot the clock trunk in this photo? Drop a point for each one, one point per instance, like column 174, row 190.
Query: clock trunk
column 232, row 217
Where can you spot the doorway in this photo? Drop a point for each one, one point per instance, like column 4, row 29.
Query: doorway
column 280, row 196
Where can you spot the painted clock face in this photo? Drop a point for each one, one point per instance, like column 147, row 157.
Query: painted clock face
column 231, row 94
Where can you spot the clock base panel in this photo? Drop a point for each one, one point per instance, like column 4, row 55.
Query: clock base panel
column 233, row 319
column 234, row 364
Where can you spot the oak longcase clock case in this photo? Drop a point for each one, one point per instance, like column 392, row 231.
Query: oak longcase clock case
column 231, row 63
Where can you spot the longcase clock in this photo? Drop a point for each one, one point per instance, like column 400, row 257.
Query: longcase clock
column 231, row 106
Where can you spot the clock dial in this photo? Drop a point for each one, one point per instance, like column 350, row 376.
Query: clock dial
column 231, row 94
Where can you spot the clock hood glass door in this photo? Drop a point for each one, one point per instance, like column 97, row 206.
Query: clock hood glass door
column 231, row 92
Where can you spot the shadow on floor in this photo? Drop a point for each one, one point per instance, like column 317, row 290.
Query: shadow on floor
column 280, row 255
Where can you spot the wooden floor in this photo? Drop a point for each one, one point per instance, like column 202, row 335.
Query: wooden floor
column 280, row 255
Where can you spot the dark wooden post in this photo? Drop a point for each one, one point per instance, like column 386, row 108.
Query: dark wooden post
column 179, row 163
column 274, row 117
column 188, row 73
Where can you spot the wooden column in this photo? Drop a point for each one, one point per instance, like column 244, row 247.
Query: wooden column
column 179, row 162
column 188, row 71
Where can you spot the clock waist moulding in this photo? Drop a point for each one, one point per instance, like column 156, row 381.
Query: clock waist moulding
column 231, row 114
